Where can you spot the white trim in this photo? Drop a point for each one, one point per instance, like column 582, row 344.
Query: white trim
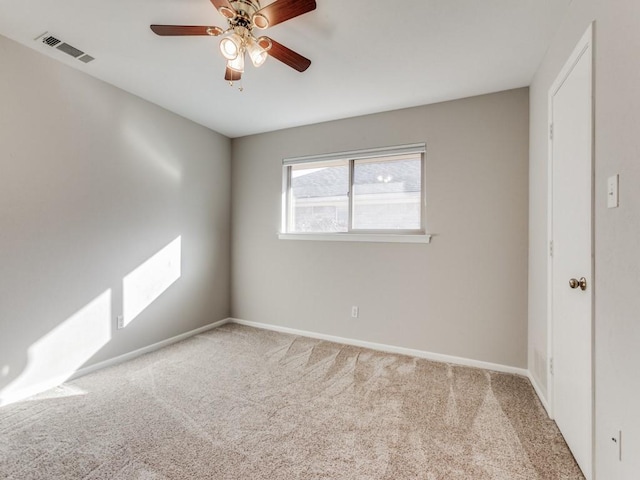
column 150, row 348
column 52, row 383
column 359, row 154
column 357, row 237
column 286, row 201
column 582, row 46
column 550, row 390
column 26, row 392
column 538, row 390
column 579, row 50
column 348, row 159
column 436, row 357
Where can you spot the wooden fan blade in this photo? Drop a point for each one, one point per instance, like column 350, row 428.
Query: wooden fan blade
column 224, row 7
column 286, row 55
column 180, row 30
column 232, row 75
column 282, row 10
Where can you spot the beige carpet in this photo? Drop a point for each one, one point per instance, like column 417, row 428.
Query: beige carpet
column 238, row 403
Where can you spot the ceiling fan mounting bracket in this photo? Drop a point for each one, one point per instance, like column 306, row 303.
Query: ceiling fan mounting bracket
column 244, row 9
column 243, row 13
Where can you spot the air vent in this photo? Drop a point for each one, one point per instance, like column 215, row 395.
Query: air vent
column 51, row 41
column 58, row 44
column 69, row 50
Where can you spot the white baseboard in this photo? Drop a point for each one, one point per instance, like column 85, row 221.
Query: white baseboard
column 436, row 357
column 27, row 392
column 538, row 390
column 34, row 389
column 141, row 351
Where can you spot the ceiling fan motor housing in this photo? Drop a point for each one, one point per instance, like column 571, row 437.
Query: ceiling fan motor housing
column 245, row 9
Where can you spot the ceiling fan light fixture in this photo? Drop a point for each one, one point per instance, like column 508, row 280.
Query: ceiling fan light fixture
column 265, row 43
column 257, row 54
column 260, row 21
column 214, row 31
column 230, row 46
column 227, row 12
column 237, row 39
column 237, row 64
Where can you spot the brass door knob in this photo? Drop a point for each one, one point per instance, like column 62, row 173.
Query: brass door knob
column 582, row 283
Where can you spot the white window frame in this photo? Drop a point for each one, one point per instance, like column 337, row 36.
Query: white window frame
column 357, row 235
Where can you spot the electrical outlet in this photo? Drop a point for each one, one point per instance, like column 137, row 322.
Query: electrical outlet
column 120, row 319
column 355, row 312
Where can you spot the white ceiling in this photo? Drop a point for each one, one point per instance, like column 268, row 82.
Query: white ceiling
column 368, row 55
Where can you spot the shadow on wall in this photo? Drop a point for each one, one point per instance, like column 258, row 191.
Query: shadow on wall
column 59, row 354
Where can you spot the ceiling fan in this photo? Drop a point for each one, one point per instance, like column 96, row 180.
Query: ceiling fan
column 238, row 39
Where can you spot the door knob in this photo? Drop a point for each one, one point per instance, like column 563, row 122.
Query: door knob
column 582, row 283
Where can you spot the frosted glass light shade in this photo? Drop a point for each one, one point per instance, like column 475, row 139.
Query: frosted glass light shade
column 237, row 64
column 230, row 46
column 257, row 54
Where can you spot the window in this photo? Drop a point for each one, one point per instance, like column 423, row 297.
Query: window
column 368, row 195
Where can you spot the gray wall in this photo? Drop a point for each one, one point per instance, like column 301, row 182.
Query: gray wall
column 617, row 261
column 465, row 294
column 93, row 183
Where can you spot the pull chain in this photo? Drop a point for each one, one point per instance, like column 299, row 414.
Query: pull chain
column 240, row 87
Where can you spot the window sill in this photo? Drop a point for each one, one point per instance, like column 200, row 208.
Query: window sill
column 357, row 237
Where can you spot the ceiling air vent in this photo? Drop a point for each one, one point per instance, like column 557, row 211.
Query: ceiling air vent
column 51, row 41
column 69, row 50
column 58, row 44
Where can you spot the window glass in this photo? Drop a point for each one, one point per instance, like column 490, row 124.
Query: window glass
column 378, row 191
column 387, row 194
column 319, row 198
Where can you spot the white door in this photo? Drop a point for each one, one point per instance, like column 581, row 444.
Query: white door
column 571, row 261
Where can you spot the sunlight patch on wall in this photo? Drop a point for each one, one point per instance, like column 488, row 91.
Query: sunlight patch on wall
column 151, row 279
column 56, row 356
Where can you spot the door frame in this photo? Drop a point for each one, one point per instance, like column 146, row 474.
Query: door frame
column 581, row 48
